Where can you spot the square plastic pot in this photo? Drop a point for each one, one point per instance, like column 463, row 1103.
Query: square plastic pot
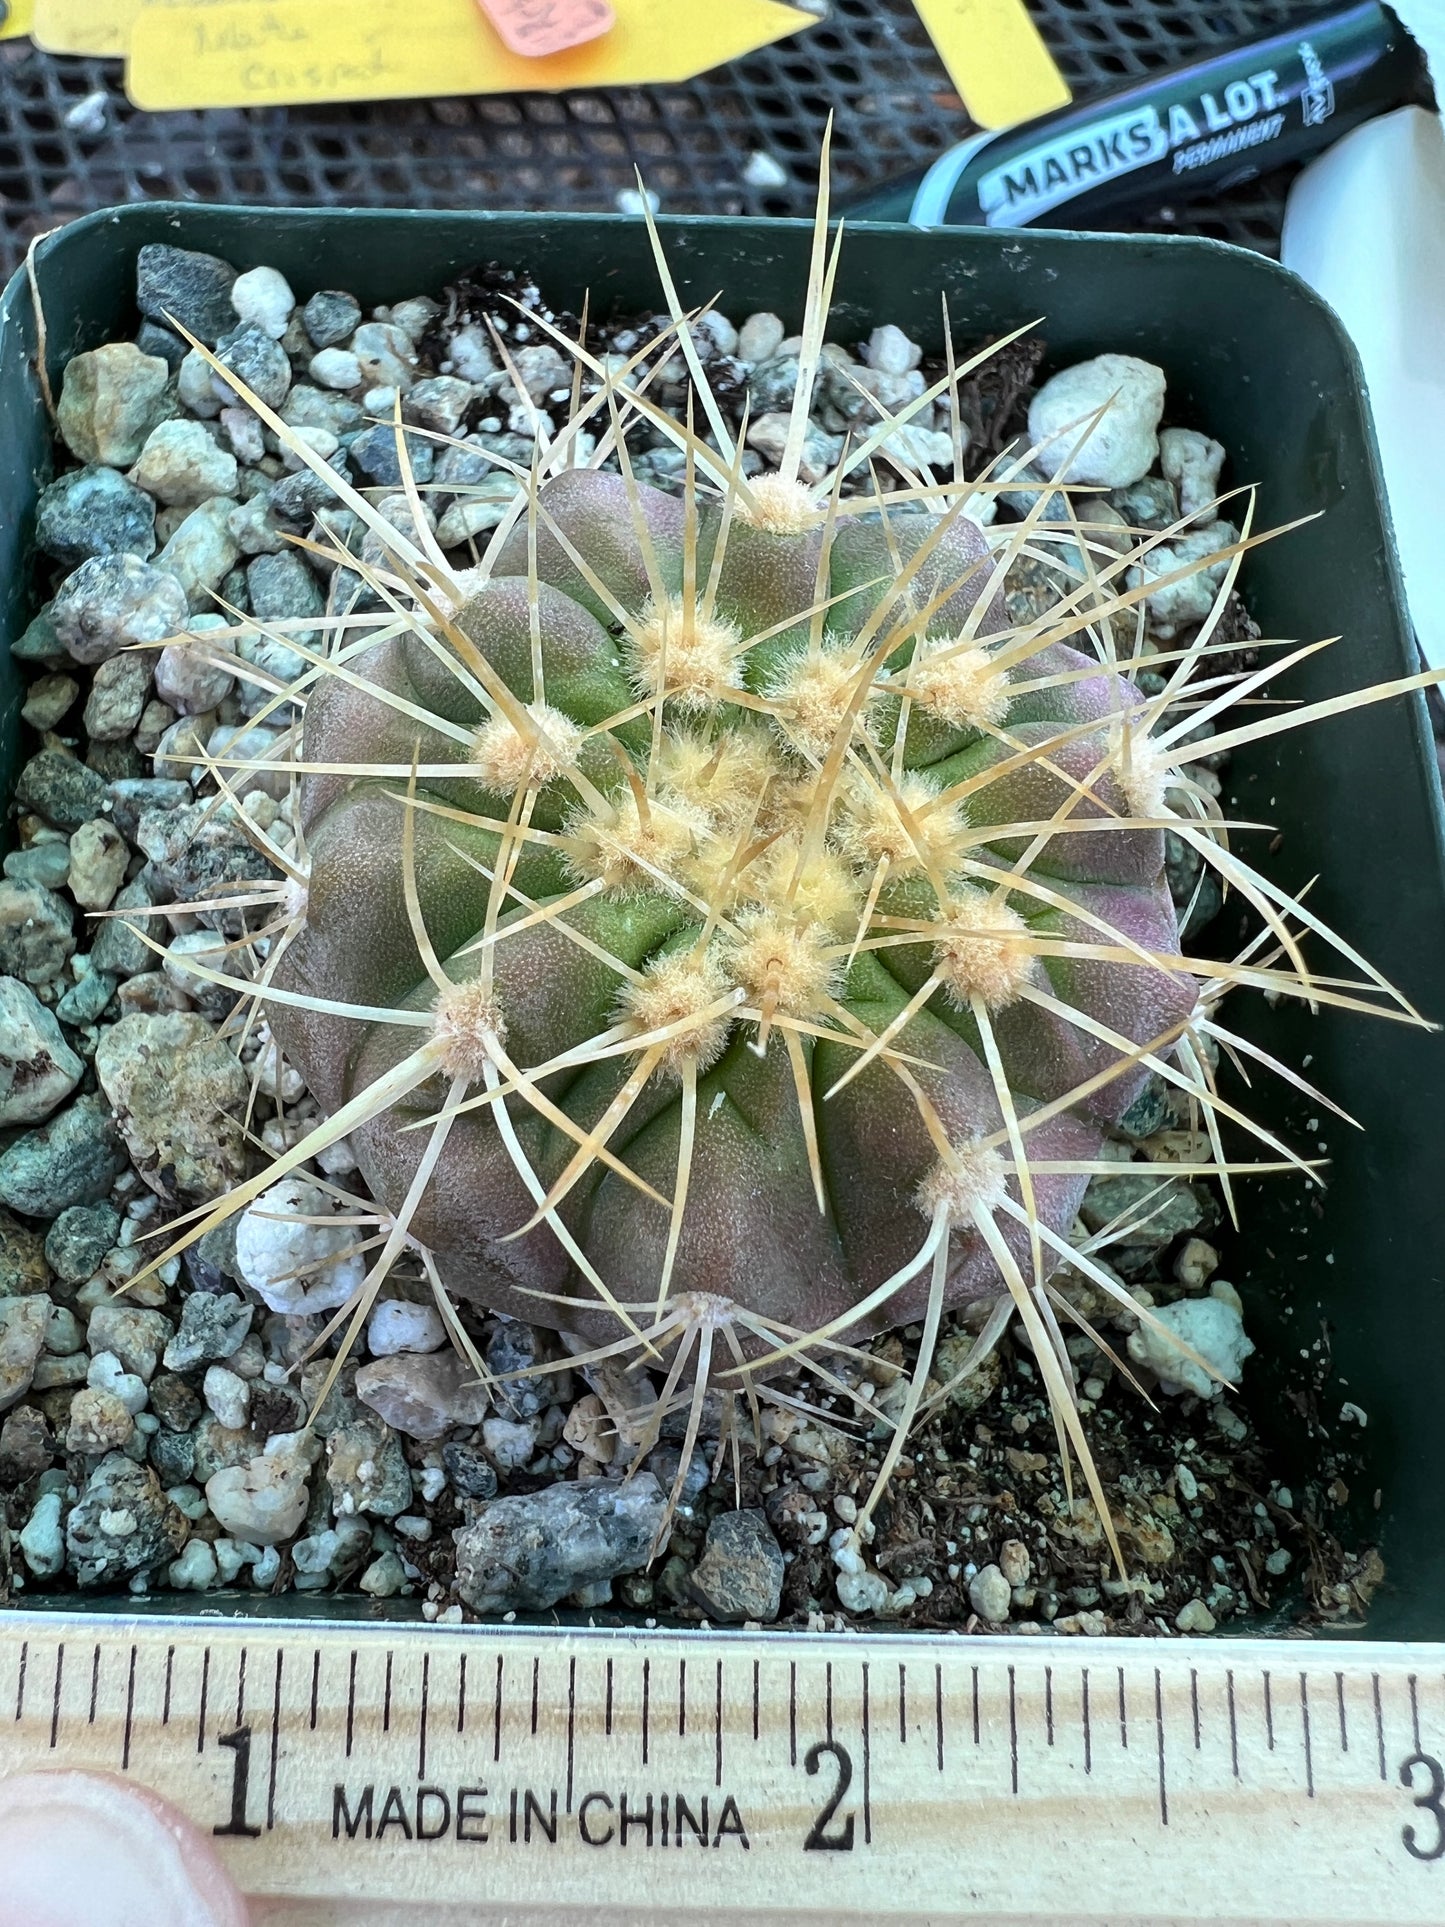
column 1345, row 1287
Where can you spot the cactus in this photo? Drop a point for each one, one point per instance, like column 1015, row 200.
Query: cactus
column 766, row 931
column 723, row 933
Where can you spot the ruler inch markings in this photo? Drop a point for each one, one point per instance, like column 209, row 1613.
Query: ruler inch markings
column 867, row 1766
column 1233, row 1722
column 421, row 1716
column 571, row 1726
column 1379, row 1724
column 129, row 1712
column 833, row 1810
column 1344, row 1722
column 201, row 1708
column 55, row 1696
column 1013, row 1731
column 1123, row 1711
column 275, row 1741
column 1268, row 1709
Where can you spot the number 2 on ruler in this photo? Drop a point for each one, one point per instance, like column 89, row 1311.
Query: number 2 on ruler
column 819, row 1839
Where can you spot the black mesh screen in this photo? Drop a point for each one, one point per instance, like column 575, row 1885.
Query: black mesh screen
column 70, row 142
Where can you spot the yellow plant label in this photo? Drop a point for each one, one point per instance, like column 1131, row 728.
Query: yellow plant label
column 996, row 58
column 100, row 27
column 227, row 53
column 18, row 19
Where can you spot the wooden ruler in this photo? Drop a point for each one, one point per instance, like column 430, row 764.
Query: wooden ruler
column 365, row 1775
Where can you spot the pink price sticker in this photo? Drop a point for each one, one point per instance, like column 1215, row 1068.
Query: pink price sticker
column 538, row 27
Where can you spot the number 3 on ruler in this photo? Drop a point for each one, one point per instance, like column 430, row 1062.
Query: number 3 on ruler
column 1428, row 1802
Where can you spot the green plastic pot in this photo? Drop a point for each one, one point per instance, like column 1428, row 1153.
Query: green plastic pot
column 1345, row 1289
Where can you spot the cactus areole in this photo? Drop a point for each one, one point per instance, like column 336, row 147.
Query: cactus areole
column 731, row 909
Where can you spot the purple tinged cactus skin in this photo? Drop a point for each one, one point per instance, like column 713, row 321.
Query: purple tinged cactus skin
column 646, row 851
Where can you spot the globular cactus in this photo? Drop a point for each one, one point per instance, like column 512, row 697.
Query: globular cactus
column 725, row 934
column 796, row 948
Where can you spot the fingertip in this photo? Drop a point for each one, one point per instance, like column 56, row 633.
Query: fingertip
column 94, row 1850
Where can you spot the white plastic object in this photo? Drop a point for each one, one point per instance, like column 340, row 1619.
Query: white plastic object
column 1365, row 227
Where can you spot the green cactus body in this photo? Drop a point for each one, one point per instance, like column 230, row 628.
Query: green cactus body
column 853, row 816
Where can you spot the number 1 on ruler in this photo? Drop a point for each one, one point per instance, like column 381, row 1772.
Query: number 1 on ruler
column 996, row 58
column 538, row 27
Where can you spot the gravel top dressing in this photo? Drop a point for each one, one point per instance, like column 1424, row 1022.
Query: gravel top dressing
column 161, row 1438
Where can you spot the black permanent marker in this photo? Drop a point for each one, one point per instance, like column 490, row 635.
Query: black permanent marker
column 1205, row 127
